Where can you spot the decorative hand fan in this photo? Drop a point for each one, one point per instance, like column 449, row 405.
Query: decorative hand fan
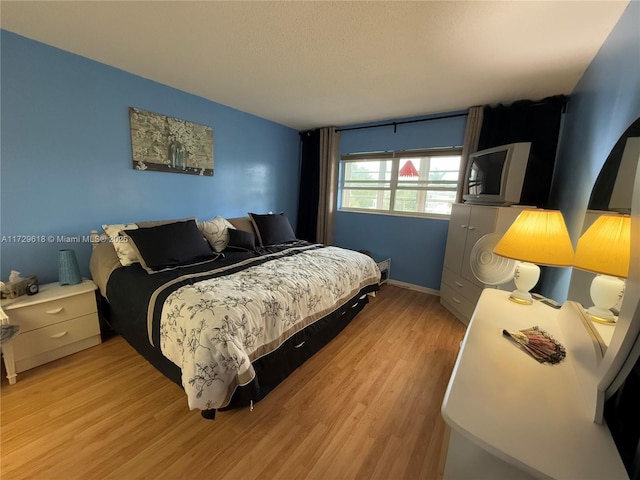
column 489, row 268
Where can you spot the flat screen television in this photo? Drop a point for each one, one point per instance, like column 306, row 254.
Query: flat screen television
column 496, row 176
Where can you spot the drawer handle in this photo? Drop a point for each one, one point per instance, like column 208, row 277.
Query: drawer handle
column 471, row 228
column 464, row 226
column 54, row 311
column 459, row 284
column 59, row 335
column 455, row 300
column 299, row 345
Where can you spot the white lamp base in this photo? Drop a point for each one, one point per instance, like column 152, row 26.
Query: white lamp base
column 526, row 276
column 606, row 291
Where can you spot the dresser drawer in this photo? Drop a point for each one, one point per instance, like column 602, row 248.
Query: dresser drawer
column 452, row 298
column 35, row 342
column 462, row 286
column 44, row 314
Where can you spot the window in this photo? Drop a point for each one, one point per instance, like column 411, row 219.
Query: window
column 418, row 182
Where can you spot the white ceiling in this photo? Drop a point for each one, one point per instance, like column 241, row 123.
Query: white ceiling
column 308, row 64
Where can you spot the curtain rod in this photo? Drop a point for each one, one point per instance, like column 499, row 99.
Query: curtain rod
column 395, row 124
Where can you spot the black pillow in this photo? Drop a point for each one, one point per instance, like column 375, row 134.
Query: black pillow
column 272, row 229
column 168, row 246
column 241, row 240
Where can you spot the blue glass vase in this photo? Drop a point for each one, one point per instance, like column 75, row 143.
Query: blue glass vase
column 68, row 271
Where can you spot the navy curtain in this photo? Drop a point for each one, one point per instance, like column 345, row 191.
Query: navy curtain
column 537, row 122
column 309, row 195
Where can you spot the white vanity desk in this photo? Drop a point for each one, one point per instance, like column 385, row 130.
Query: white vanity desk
column 512, row 417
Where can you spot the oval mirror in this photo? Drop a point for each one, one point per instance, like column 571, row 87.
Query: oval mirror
column 612, row 192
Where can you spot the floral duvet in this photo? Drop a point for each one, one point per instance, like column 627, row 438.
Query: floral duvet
column 213, row 329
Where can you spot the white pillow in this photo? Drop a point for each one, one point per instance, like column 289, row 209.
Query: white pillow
column 216, row 232
column 126, row 253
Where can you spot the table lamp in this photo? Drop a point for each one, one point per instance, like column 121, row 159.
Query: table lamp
column 605, row 249
column 536, row 237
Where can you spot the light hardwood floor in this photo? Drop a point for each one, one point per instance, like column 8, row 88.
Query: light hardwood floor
column 366, row 406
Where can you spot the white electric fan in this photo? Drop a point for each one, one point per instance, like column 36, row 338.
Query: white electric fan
column 489, row 268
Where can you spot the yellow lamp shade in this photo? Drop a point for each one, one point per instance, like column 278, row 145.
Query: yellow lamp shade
column 538, row 236
column 606, row 246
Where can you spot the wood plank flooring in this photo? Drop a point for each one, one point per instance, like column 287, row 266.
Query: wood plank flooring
column 367, row 406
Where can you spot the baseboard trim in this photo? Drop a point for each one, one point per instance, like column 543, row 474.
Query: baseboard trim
column 411, row 286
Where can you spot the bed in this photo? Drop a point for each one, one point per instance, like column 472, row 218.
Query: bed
column 226, row 308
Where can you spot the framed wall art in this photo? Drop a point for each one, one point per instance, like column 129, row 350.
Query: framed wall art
column 166, row 144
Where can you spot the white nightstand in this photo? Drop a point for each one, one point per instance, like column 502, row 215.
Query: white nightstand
column 55, row 322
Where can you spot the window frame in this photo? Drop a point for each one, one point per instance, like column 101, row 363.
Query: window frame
column 395, row 156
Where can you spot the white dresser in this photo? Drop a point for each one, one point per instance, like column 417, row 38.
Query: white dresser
column 57, row 321
column 460, row 290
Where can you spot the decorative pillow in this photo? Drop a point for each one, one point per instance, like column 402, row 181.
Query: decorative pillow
column 216, row 231
column 126, row 253
column 242, row 223
column 241, row 240
column 272, row 229
column 169, row 246
column 157, row 223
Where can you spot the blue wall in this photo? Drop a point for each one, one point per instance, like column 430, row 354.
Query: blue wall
column 416, row 245
column 66, row 155
column 603, row 104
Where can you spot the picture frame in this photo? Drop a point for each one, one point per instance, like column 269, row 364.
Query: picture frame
column 167, row 144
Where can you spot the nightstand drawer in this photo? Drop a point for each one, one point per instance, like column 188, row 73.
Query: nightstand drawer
column 35, row 342
column 48, row 313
